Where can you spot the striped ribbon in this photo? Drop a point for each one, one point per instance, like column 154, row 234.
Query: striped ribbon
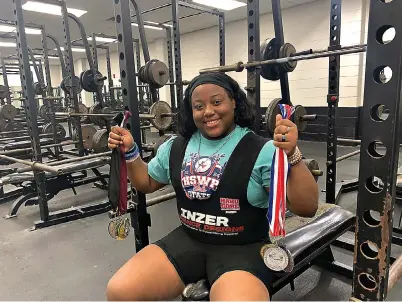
column 277, row 192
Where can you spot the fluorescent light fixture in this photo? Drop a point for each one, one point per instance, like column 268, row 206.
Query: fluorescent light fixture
column 28, row 31
column 49, row 56
column 73, row 49
column 8, row 44
column 103, row 39
column 51, row 9
column 221, row 4
column 148, row 26
column 165, row 24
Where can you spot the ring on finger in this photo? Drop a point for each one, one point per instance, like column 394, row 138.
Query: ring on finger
column 283, row 138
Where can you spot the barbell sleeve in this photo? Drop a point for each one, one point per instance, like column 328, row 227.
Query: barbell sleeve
column 309, row 118
column 317, row 172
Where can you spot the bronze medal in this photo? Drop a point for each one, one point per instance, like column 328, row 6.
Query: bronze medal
column 276, row 258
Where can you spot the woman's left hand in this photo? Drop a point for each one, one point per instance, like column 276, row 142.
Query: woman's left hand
column 285, row 135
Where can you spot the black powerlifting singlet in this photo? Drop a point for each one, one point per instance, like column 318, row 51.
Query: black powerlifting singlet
column 226, row 217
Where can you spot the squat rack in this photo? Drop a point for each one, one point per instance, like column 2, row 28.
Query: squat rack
column 65, row 182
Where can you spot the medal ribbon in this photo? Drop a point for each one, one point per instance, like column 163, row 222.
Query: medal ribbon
column 122, row 208
column 277, row 191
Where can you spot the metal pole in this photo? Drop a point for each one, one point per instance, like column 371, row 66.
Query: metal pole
column 240, row 66
column 68, row 161
column 371, row 270
column 110, row 78
column 94, row 52
column 253, row 74
column 72, row 95
column 171, row 68
column 30, row 106
column 279, row 41
column 140, row 219
column 34, row 165
column 222, row 39
column 49, row 88
column 333, row 99
column 177, row 51
column 5, row 80
column 160, row 199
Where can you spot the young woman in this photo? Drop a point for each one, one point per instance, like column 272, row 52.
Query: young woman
column 220, row 171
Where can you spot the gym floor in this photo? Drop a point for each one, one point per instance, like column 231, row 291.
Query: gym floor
column 74, row 261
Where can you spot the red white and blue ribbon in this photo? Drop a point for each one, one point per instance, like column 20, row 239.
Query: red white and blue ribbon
column 277, row 191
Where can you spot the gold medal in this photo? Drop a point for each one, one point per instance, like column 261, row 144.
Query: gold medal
column 112, row 229
column 276, row 258
column 123, row 228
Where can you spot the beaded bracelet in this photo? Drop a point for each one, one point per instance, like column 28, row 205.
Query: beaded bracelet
column 295, row 158
column 132, row 154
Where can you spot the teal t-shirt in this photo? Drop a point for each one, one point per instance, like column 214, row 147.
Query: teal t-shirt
column 205, row 161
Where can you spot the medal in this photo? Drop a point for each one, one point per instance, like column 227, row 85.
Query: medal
column 112, row 229
column 275, row 255
column 123, row 229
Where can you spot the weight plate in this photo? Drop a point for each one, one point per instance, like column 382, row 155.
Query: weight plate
column 60, row 131
column 13, row 126
column 88, row 132
column 158, row 73
column 270, row 115
column 3, row 124
column 4, row 92
column 107, row 110
column 8, row 111
column 296, row 117
column 81, row 109
column 96, row 109
column 268, row 52
column 67, row 85
column 44, row 112
column 312, row 164
column 87, row 79
column 141, row 74
column 287, row 50
column 157, row 109
column 37, row 88
column 99, row 142
column 161, row 140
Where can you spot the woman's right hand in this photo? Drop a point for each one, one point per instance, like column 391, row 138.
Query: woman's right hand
column 120, row 136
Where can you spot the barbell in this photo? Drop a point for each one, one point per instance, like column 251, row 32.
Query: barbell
column 160, row 115
column 287, row 60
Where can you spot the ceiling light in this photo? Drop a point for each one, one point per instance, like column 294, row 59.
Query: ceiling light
column 164, row 24
column 73, row 49
column 148, row 26
column 50, row 9
column 221, row 4
column 49, row 56
column 8, row 44
column 103, row 39
column 10, row 28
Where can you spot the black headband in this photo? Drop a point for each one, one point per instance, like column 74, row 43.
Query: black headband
column 219, row 79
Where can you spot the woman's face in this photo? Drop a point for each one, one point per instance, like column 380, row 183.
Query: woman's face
column 213, row 110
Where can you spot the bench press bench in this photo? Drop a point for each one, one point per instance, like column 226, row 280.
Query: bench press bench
column 306, row 239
